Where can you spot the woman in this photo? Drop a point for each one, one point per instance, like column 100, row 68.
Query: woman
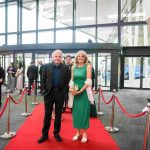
column 81, row 72
column 11, row 77
column 19, row 75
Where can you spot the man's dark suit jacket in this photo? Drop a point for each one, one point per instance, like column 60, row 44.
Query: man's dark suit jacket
column 32, row 72
column 2, row 75
column 47, row 79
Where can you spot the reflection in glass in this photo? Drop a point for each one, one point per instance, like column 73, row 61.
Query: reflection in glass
column 64, row 36
column 12, row 17
column 107, row 11
column 2, row 19
column 46, row 14
column 28, row 38
column 12, row 39
column 46, row 37
column 64, row 13
column 85, row 12
column 83, row 35
column 2, row 40
column 108, row 34
column 135, row 35
column 132, row 10
column 132, row 72
column 146, row 72
column 28, row 15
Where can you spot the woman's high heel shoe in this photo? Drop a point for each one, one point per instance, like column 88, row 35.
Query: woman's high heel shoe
column 76, row 137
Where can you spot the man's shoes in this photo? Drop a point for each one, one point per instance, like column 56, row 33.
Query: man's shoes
column 42, row 139
column 57, row 137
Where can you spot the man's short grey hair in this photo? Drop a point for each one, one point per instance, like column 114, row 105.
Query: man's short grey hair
column 57, row 51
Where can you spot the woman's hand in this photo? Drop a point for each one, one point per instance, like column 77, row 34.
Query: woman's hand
column 72, row 91
column 77, row 92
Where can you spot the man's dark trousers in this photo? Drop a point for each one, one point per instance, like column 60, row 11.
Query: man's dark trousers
column 54, row 97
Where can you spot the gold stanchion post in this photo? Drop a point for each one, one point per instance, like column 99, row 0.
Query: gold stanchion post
column 147, row 127
column 8, row 134
column 35, row 102
column 111, row 128
column 26, row 113
column 99, row 103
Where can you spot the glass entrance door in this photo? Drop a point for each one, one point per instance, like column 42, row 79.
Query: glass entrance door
column 132, row 72
column 137, row 72
column 104, row 70
column 146, row 72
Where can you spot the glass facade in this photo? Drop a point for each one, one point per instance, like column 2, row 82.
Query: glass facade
column 74, row 21
column 137, row 35
column 132, row 11
column 105, row 14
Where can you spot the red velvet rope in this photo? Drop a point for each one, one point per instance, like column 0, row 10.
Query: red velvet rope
column 6, row 102
column 20, row 99
column 100, row 91
column 126, row 113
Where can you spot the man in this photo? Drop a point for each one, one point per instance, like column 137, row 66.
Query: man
column 40, row 73
column 55, row 81
column 32, row 74
column 2, row 78
column 68, row 60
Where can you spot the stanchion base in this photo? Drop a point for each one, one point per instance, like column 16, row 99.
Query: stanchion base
column 100, row 113
column 34, row 103
column 25, row 114
column 8, row 135
column 112, row 129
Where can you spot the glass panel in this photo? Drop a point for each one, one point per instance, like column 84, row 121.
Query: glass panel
column 132, row 69
column 12, row 17
column 43, row 57
column 8, row 60
column 91, row 58
column 84, row 35
column 136, row 35
column 146, row 72
column 104, row 69
column 46, row 37
column 28, row 59
column 108, row 35
column 2, row 19
column 132, row 10
column 18, row 58
column 105, row 14
column 12, row 39
column 2, row 40
column 46, row 14
column 28, row 15
column 64, row 13
column 64, row 36
column 28, row 38
column 85, row 12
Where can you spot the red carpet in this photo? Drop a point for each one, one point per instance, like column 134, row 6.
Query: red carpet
column 30, row 131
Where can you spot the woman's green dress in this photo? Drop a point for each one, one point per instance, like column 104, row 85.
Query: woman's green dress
column 81, row 104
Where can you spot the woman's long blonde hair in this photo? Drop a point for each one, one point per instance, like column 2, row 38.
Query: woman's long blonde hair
column 82, row 52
